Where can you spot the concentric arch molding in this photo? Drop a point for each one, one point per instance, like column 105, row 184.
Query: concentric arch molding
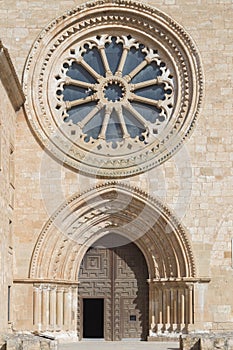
column 113, row 88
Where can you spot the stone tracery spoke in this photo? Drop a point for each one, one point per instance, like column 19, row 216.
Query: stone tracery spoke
column 107, row 115
column 122, row 62
column 136, row 114
column 135, row 71
column 119, row 112
column 88, row 68
column 145, row 100
column 90, row 115
column 105, row 61
column 145, row 83
column 70, row 104
column 75, row 82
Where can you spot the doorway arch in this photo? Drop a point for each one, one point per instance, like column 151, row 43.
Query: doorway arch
column 114, row 208
column 113, row 282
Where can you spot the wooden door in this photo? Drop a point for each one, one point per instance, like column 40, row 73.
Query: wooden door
column 119, row 277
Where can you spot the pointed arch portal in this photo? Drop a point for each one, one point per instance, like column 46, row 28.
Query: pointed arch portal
column 79, row 225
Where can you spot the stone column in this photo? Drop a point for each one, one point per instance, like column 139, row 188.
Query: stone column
column 59, row 307
column 74, row 308
column 179, row 311
column 182, row 307
column 168, row 308
column 190, row 299
column 160, row 310
column 175, row 309
column 45, row 307
column 67, row 308
column 164, row 306
column 172, row 307
column 52, row 308
column 152, row 307
column 37, row 307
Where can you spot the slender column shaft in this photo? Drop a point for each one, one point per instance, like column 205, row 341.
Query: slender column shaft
column 175, row 318
column 74, row 310
column 172, row 306
column 160, row 306
column 59, row 308
column 156, row 296
column 45, row 308
column 179, row 317
column 190, row 304
column 52, row 308
column 152, row 306
column 182, row 307
column 67, row 308
column 168, row 307
column 164, row 306
column 36, row 306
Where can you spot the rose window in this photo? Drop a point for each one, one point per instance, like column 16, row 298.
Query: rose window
column 114, row 89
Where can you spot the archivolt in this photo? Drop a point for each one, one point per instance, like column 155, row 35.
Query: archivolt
column 112, row 208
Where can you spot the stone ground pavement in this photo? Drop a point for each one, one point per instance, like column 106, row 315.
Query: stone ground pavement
column 120, row 345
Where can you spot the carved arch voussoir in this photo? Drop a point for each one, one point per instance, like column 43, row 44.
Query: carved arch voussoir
column 112, row 208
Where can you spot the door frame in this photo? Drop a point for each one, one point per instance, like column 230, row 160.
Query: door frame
column 82, row 314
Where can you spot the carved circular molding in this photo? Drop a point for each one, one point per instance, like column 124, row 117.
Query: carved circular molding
column 113, row 87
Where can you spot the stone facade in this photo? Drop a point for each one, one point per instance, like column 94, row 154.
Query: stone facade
column 193, row 188
column 12, row 96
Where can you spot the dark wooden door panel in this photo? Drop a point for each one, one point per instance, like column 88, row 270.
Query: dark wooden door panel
column 118, row 276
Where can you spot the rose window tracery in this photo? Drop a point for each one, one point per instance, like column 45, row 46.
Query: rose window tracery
column 114, row 89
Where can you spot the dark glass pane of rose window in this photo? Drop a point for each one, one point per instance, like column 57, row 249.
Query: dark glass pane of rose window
column 155, row 92
column 149, row 112
column 93, row 58
column 78, row 113
column 113, row 52
column 72, row 93
column 134, row 127
column 134, row 58
column 93, row 127
column 151, row 71
column 76, row 71
column 114, row 129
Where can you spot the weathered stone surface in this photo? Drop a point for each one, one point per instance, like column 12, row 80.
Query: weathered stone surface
column 26, row 342
column 45, row 345
column 190, row 343
column 14, row 344
column 2, row 342
column 207, row 342
column 31, row 344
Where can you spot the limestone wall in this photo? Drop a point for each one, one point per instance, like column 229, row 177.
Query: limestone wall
column 11, row 100
column 196, row 183
column 7, row 120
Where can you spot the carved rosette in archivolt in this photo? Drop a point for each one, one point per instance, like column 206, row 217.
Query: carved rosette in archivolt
column 113, row 88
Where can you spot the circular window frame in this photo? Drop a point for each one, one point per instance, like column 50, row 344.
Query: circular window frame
column 149, row 26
